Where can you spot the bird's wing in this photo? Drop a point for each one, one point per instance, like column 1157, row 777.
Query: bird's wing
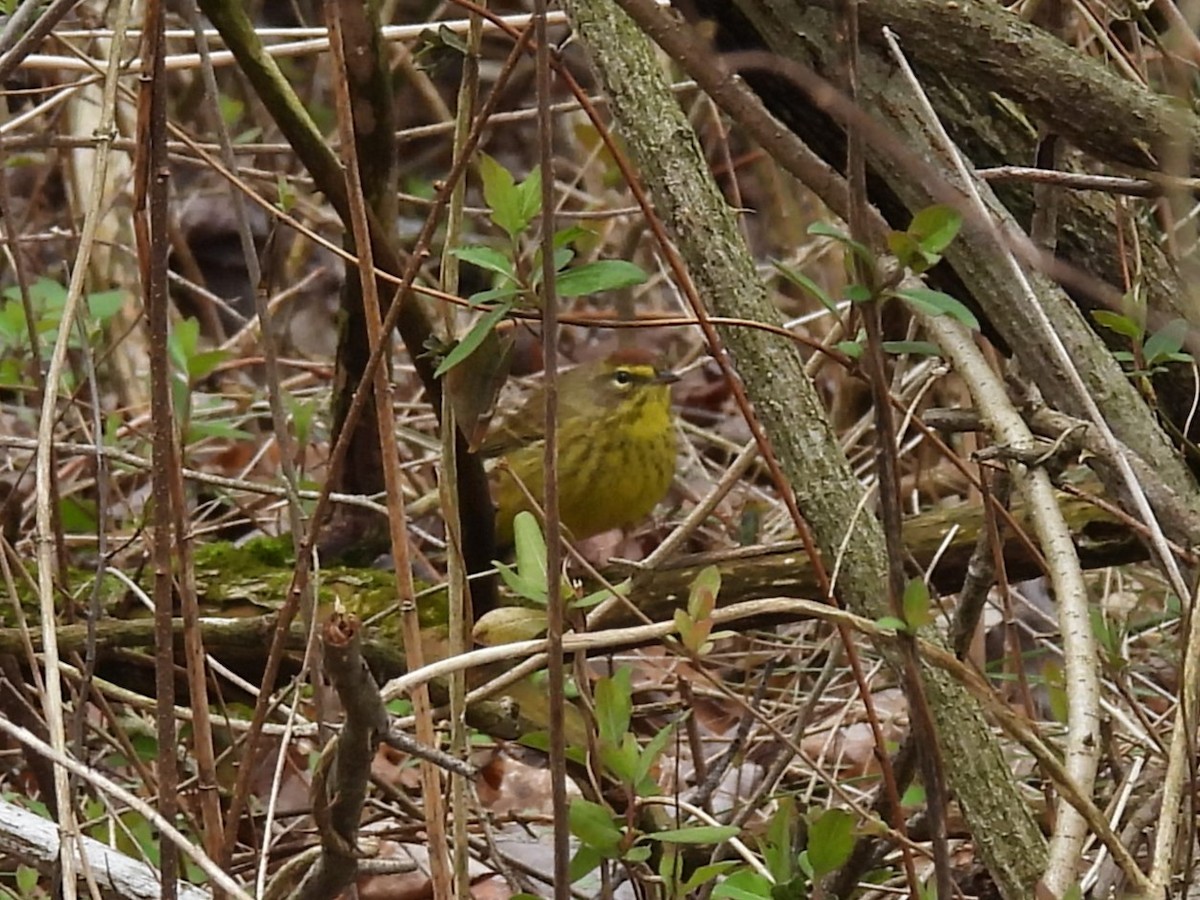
column 528, row 424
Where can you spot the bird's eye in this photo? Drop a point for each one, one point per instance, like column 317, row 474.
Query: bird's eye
column 622, row 377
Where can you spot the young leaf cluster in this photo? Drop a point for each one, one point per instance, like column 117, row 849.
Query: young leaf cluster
column 915, row 250
column 517, row 273
column 527, row 577
column 695, row 623
column 917, row 608
column 602, row 834
column 792, row 875
column 190, row 365
column 47, row 298
column 1149, row 354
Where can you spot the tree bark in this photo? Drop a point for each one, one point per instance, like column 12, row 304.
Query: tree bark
column 669, row 158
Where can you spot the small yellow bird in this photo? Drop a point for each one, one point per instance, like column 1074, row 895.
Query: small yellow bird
column 616, row 447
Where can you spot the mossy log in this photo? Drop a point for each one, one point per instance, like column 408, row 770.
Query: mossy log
column 248, row 583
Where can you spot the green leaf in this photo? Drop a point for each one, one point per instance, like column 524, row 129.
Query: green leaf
column 858, row 293
column 531, row 589
column 500, row 194
column 621, row 759
column 400, row 707
column 806, row 284
column 1165, row 342
column 231, row 109
column 892, row 623
column 824, row 229
column 562, row 256
column 703, row 875
column 522, row 587
column 103, row 305
column 1122, row 325
column 1133, row 306
column 473, row 338
column 585, row 861
column 509, row 624
column 45, row 295
column 571, row 235
column 686, row 627
column 530, row 549
column 529, row 195
column 614, row 705
column 10, row 373
column 181, row 398
column 792, row 889
column 913, row 348
column 597, row 597
column 181, row 344
column 601, row 275
column 286, row 196
column 918, row 608
column 777, row 843
column 830, row 841
column 696, row 624
column 12, row 324
column 651, row 752
column 535, row 740
column 935, row 227
column 670, row 867
column 437, row 50
column 486, row 258
column 529, row 578
column 1109, row 635
column 1056, row 691
column 937, row 303
column 593, row 825
column 540, row 741
column 302, row 412
column 907, row 251
column 27, row 880
column 637, row 854
column 853, row 349
column 702, row 597
column 78, row 515
column 504, row 293
column 451, row 38
column 745, row 884
column 201, row 365
column 696, row 834
column 201, row 430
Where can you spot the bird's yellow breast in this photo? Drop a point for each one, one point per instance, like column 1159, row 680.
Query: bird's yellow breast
column 613, row 468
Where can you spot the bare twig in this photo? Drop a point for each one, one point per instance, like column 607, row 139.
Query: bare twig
column 48, row 562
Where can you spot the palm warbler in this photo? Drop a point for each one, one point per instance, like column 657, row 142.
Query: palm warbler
column 616, row 447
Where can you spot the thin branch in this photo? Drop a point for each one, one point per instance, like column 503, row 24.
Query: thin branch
column 48, row 562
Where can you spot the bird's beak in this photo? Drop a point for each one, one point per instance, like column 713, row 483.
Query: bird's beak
column 666, row 377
